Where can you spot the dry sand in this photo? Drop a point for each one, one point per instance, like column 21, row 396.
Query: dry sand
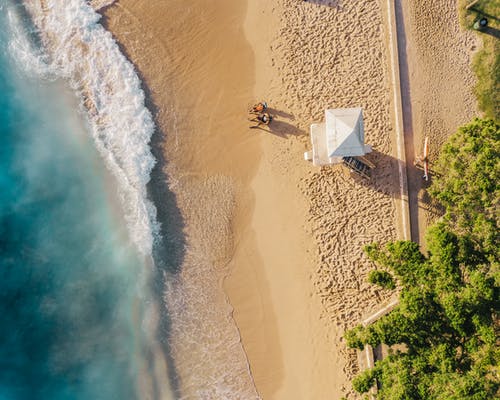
column 283, row 239
column 436, row 85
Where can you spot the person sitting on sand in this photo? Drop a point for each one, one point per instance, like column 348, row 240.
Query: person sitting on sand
column 259, row 108
column 265, row 118
column 262, row 118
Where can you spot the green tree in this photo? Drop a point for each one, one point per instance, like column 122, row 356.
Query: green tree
column 445, row 318
column 468, row 185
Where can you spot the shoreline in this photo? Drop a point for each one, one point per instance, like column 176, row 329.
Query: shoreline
column 210, row 156
column 105, row 255
column 282, row 238
column 294, row 349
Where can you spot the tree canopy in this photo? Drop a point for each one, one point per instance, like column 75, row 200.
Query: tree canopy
column 447, row 315
column 468, row 183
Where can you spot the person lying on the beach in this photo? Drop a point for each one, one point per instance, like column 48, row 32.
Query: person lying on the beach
column 259, row 108
column 262, row 118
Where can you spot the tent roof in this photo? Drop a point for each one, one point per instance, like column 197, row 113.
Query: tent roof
column 344, row 132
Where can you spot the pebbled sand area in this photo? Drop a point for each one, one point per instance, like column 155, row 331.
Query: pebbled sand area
column 273, row 270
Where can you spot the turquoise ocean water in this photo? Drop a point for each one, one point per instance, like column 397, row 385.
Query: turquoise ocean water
column 102, row 293
column 70, row 295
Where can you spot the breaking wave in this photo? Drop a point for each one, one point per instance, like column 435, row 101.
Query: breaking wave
column 67, row 41
column 74, row 46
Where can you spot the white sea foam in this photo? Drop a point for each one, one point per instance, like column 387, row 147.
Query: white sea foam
column 204, row 339
column 79, row 49
column 206, row 343
column 32, row 59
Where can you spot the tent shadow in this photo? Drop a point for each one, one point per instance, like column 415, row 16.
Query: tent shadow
column 384, row 178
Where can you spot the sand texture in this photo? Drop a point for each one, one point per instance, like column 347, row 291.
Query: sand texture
column 346, row 65
column 98, row 5
column 271, row 270
column 437, row 89
column 198, row 81
column 440, row 69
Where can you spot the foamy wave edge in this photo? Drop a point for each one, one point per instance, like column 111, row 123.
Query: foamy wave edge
column 76, row 47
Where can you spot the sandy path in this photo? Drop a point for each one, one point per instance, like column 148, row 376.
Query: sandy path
column 436, row 89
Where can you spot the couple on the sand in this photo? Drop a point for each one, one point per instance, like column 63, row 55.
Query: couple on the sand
column 261, row 116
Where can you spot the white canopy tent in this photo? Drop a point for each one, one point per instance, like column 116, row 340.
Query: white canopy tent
column 342, row 135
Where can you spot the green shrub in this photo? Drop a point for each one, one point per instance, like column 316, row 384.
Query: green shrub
column 364, row 381
column 447, row 316
column 381, row 278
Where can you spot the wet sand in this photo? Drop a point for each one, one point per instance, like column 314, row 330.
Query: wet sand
column 273, row 245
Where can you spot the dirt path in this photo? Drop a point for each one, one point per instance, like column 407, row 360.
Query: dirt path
column 436, row 90
column 414, row 183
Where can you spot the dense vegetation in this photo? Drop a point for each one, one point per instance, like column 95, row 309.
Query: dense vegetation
column 468, row 183
column 447, row 316
column 486, row 62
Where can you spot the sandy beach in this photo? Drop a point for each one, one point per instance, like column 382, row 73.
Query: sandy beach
column 273, row 270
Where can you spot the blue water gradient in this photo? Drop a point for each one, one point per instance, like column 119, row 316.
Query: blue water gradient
column 69, row 277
